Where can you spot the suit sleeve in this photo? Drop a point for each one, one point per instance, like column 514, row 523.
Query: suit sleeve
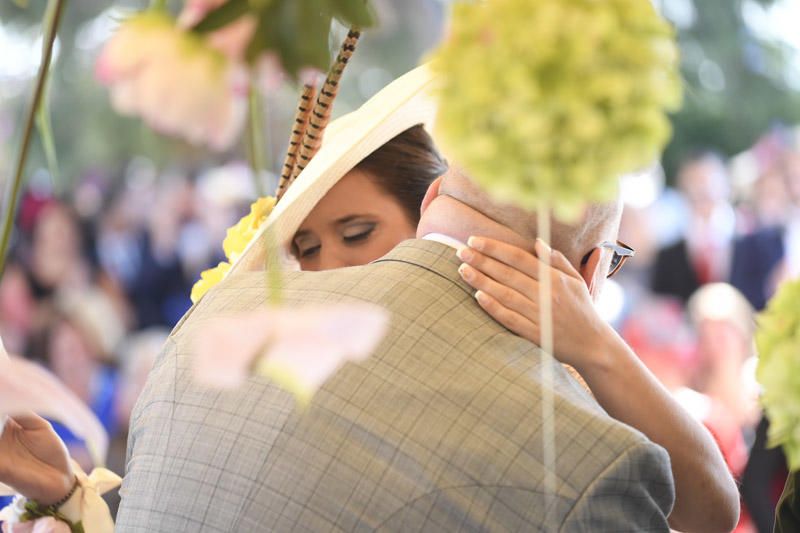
column 634, row 493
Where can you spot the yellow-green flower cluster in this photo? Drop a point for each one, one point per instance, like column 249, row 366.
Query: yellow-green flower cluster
column 778, row 342
column 235, row 243
column 544, row 100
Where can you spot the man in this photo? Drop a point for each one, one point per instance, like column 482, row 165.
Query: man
column 703, row 254
column 439, row 430
column 762, row 260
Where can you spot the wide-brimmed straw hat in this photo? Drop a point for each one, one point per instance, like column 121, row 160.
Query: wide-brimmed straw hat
column 403, row 104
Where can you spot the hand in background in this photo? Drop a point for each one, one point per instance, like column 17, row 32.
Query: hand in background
column 34, row 460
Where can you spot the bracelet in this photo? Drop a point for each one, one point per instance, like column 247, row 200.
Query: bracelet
column 65, row 499
column 34, row 510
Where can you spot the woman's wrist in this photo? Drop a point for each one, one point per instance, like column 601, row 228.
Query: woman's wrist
column 604, row 355
column 56, row 490
column 67, row 489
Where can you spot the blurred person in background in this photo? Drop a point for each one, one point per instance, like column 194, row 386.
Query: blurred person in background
column 707, row 368
column 17, row 309
column 660, row 335
column 770, row 199
column 57, row 257
column 137, row 354
column 139, row 245
column 766, row 257
column 763, row 479
column 725, row 325
column 78, row 345
column 702, row 255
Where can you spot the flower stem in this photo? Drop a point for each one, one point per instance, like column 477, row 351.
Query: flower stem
column 256, row 143
column 30, row 119
column 272, row 267
column 547, row 362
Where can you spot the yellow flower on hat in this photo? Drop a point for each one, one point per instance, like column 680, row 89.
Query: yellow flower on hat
column 553, row 101
column 778, row 342
column 235, row 243
column 240, row 235
column 209, row 278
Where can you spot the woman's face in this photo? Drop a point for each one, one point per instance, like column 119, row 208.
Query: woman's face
column 354, row 224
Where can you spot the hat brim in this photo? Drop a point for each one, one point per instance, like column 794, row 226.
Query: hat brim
column 404, row 103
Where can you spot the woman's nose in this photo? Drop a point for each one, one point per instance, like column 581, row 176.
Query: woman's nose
column 332, row 257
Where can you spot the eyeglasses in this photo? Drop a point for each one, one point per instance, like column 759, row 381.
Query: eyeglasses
column 621, row 254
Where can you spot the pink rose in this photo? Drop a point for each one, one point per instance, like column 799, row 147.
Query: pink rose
column 176, row 81
column 42, row 525
column 232, row 40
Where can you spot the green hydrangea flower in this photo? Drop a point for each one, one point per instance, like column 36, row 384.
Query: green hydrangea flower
column 778, row 342
column 553, row 101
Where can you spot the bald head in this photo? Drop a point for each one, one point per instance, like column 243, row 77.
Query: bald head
column 599, row 222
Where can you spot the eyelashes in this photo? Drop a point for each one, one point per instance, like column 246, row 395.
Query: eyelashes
column 309, row 252
column 363, row 233
column 360, row 233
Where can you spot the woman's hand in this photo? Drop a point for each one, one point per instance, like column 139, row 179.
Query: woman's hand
column 706, row 497
column 507, row 280
column 34, row 460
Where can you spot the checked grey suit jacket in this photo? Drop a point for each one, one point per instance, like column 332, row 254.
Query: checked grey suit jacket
column 440, row 430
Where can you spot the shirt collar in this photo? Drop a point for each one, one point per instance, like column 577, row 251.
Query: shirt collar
column 444, row 239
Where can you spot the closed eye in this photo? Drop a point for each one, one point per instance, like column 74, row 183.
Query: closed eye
column 309, row 252
column 360, row 236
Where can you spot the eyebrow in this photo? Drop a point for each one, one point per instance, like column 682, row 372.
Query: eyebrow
column 349, row 218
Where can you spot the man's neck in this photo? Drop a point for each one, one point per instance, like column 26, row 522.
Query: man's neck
column 448, row 216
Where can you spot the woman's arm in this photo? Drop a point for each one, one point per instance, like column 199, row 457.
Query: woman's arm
column 505, row 277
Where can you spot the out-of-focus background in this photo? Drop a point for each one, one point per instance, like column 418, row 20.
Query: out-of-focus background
column 113, row 231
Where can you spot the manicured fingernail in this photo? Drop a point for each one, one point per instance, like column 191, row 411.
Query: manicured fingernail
column 465, row 254
column 543, row 246
column 475, row 242
column 480, row 296
column 466, row 272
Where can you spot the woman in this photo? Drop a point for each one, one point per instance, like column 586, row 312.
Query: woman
column 374, row 206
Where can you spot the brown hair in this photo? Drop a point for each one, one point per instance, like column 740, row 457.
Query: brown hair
column 404, row 167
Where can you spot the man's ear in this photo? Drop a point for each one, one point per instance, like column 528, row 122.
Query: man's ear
column 430, row 194
column 588, row 268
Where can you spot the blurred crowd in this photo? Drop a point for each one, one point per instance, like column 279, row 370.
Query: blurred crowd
column 710, row 253
column 95, row 282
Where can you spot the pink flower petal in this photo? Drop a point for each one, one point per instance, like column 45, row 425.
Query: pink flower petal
column 177, row 83
column 225, row 350
column 42, row 525
column 300, row 348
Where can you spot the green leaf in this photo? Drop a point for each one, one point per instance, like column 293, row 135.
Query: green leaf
column 315, row 22
column 16, row 183
column 223, row 15
column 43, row 123
column 297, row 31
column 45, row 128
column 353, row 12
column 256, row 139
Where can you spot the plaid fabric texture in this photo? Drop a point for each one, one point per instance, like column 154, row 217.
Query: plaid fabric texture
column 440, row 430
